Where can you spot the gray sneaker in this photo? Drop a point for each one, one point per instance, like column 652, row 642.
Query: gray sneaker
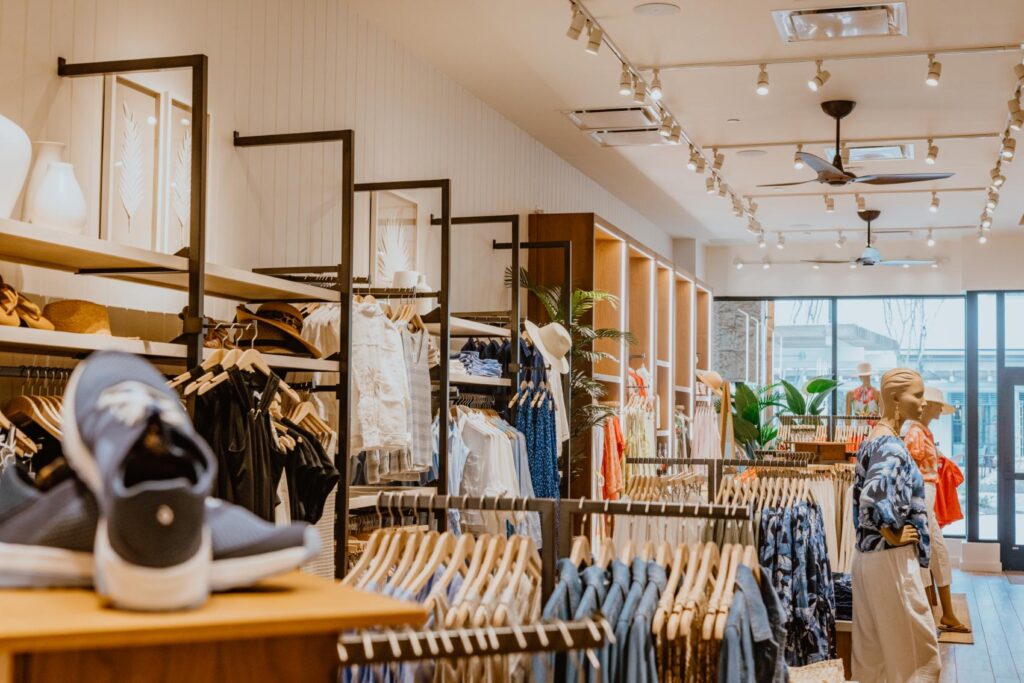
column 46, row 538
column 131, row 442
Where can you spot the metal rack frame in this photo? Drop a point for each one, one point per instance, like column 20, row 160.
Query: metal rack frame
column 716, row 466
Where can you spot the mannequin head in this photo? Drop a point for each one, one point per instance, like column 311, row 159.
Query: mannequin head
column 931, row 412
column 902, row 396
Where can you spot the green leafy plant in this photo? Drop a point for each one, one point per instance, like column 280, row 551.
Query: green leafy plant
column 752, row 421
column 811, row 401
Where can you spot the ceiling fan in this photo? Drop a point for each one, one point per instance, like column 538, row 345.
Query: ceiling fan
column 871, row 256
column 833, row 174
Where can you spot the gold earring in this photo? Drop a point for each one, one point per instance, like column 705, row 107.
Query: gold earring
column 898, row 420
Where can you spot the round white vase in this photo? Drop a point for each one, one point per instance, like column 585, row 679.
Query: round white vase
column 424, row 306
column 15, row 157
column 59, row 202
column 45, row 153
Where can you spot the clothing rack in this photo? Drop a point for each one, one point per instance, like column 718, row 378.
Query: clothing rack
column 370, row 647
column 716, row 466
column 547, row 508
column 34, row 372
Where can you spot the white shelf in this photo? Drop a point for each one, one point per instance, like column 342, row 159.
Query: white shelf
column 53, row 343
column 480, row 381
column 663, row 364
column 611, row 379
column 684, row 390
column 36, row 245
column 460, row 327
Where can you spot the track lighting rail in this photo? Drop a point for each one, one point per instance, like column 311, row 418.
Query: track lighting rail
column 848, row 142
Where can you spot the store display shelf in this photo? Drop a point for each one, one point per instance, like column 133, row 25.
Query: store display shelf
column 663, row 364
column 684, row 390
column 480, row 381
column 611, row 379
column 362, row 497
column 25, row 340
column 663, row 432
column 44, row 247
column 460, row 327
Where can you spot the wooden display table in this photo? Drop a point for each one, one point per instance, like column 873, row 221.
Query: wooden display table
column 284, row 630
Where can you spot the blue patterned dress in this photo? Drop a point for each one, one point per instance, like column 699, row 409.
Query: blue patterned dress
column 888, row 491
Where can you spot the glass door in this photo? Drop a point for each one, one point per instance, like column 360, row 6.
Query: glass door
column 1011, row 466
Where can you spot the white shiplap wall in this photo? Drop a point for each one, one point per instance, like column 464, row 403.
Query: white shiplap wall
column 287, row 66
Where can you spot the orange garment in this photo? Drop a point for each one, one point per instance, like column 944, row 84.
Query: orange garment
column 611, row 466
column 921, row 445
column 947, row 503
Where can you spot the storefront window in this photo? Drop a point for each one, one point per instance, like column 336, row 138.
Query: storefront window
column 988, row 421
column 801, row 333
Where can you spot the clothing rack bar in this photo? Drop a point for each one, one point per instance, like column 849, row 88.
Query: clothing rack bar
column 343, row 284
column 716, row 466
column 370, row 647
column 588, row 506
column 34, row 372
column 546, row 507
column 388, row 293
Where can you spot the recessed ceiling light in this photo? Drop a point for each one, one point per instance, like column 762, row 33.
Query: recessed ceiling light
column 656, row 9
column 732, row 120
column 751, row 153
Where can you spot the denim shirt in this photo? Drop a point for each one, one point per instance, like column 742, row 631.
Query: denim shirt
column 612, row 608
column 563, row 603
column 641, row 662
column 595, row 582
column 769, row 663
column 736, row 656
column 751, row 648
column 636, row 589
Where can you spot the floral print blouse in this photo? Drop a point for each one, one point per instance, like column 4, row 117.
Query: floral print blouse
column 867, row 401
column 888, row 490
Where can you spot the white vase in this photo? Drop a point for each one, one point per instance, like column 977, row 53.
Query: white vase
column 59, row 202
column 15, row 157
column 45, row 153
column 424, row 306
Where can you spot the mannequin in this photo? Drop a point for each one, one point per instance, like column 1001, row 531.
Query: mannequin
column 865, row 400
column 921, row 444
column 893, row 629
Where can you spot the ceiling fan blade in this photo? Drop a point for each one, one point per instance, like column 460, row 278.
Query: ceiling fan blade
column 897, row 178
column 819, row 165
column 903, row 262
column 823, row 261
column 802, row 182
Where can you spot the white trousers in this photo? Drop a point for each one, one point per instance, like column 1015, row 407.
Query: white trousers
column 893, row 630
column 939, row 569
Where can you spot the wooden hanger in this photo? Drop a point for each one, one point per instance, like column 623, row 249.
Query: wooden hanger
column 682, row 596
column 710, row 560
column 22, row 409
column 213, row 359
column 728, row 593
column 667, row 595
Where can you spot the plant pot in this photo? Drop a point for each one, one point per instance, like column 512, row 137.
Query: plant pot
column 59, row 202
column 45, row 153
column 15, row 157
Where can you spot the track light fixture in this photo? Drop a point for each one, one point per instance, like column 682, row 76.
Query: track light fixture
column 798, row 163
column 626, row 82
column 701, row 165
column 761, row 241
column 1018, row 71
column 752, row 225
column 1017, row 121
column 853, row 266
column 934, row 71
column 781, row 244
column 815, row 266
column 841, row 240
column 820, row 78
column 596, row 36
column 677, row 134
column 721, row 189
column 934, row 206
column 830, row 204
column 986, row 221
column 933, row 153
column 656, row 86
column 1013, row 104
column 666, row 125
column 861, row 204
column 762, row 80
column 639, row 91
column 579, row 20
column 718, row 160
column 993, row 200
column 739, row 264
column 931, row 238
column 997, row 177
column 751, row 206
column 982, row 237
column 692, row 163
column 709, row 184
column 1009, row 148
column 766, row 264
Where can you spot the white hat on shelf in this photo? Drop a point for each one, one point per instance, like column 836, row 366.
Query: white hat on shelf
column 935, row 395
column 712, row 380
column 553, row 342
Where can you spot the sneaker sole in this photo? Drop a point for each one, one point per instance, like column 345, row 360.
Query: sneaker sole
column 242, row 572
column 151, row 589
column 32, row 566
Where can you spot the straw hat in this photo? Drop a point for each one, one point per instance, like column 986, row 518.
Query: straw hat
column 935, row 395
column 8, row 304
column 863, row 369
column 712, row 380
column 278, row 329
column 553, row 342
column 74, row 315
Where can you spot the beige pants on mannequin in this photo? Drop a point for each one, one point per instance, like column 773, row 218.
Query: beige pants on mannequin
column 939, row 570
column 893, row 629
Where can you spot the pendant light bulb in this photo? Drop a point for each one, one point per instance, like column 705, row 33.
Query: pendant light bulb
column 626, row 82
column 934, row 206
column 596, row 36
column 931, row 238
column 820, row 78
column 798, row 163
column 576, row 25
column 656, row 86
column 934, row 71
column 762, row 80
column 933, row 153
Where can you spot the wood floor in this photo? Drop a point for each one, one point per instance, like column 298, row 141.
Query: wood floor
column 997, row 613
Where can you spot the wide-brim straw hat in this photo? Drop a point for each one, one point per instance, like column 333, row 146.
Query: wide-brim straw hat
column 278, row 329
column 935, row 395
column 75, row 315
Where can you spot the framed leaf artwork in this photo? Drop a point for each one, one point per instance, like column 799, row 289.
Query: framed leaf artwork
column 146, row 175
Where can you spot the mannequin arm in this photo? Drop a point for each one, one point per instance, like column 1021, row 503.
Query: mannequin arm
column 905, row 536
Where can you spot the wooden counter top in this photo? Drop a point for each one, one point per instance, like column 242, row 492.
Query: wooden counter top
column 294, row 604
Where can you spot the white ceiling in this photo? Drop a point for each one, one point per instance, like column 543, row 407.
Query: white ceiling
column 515, row 56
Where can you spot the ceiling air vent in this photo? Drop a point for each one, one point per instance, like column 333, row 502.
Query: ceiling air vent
column 863, row 153
column 833, row 23
column 637, row 116
column 629, row 137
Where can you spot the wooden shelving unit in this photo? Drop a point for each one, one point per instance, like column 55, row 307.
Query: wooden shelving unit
column 703, row 328
column 684, row 341
column 665, row 325
column 473, row 380
column 641, row 310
